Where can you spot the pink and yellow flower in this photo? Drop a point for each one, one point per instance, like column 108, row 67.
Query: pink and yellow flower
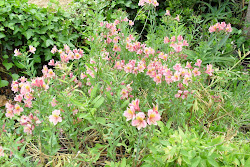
column 139, row 121
column 17, row 109
column 153, row 116
column 129, row 113
column 135, row 104
column 55, row 117
column 32, row 49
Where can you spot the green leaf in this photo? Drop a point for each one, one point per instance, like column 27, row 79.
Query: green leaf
column 195, row 162
column 216, row 140
column 123, row 162
column 19, row 65
column 3, row 83
column 48, row 56
column 49, row 42
column 99, row 102
column 93, row 92
column 7, row 65
column 109, row 96
column 29, row 33
column 124, row 104
column 15, row 76
column 2, row 35
column 85, row 116
column 37, row 59
column 1, row 3
column 101, row 120
column 212, row 162
column 248, row 162
column 96, row 99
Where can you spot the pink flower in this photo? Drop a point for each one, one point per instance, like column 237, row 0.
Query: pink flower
column 116, row 48
column 212, row 29
column 163, row 56
column 54, row 50
column 178, row 94
column 129, row 113
column 14, row 88
column 53, row 102
column 18, row 98
column 124, row 94
column 228, row 28
column 51, row 62
column 177, row 48
column 209, row 69
column 176, row 76
column 26, row 88
column 139, row 121
column 28, row 128
column 55, row 117
column 186, row 79
column 177, row 67
column 198, row 63
column 50, row 73
column 188, row 65
column 177, row 18
column 23, row 79
column 155, row 3
column 173, row 39
column 17, row 109
column 36, row 120
column 167, row 13
column 1, row 151
column 17, row 52
column 157, row 78
column 128, row 68
column 9, row 106
column 179, row 38
column 32, row 49
column 9, row 113
column 166, row 40
column 77, row 56
column 196, row 72
column 185, row 43
column 25, row 120
column 153, row 116
column 135, row 104
column 130, row 22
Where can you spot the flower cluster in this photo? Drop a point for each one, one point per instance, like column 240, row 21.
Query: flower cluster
column 126, row 92
column 144, row 2
column 177, row 44
column 138, row 119
column 220, row 27
column 66, row 54
column 29, row 123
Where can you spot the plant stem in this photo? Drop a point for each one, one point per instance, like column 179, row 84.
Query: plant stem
column 138, row 144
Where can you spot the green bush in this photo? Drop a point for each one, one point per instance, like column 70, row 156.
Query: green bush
column 23, row 24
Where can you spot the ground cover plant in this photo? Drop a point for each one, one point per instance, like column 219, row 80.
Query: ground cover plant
column 121, row 101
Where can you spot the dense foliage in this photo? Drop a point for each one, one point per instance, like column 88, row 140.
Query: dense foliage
column 164, row 97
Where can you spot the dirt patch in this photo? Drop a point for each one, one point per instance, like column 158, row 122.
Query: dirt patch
column 44, row 3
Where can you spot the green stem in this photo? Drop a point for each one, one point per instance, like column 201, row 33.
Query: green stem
column 138, row 144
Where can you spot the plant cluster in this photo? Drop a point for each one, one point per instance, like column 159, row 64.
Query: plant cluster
column 123, row 101
column 23, row 24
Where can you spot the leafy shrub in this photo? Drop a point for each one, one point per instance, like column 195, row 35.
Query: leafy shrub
column 188, row 148
column 103, row 106
column 23, row 24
